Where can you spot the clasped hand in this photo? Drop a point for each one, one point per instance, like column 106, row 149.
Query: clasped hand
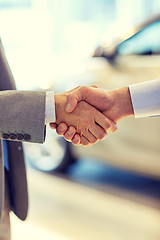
column 83, row 124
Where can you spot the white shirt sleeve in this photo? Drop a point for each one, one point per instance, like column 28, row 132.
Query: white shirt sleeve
column 50, row 107
column 145, row 98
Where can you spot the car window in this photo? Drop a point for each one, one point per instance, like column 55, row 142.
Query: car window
column 145, row 42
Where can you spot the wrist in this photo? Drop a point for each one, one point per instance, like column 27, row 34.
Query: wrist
column 123, row 99
column 60, row 100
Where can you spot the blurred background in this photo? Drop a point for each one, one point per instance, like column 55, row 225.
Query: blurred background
column 111, row 190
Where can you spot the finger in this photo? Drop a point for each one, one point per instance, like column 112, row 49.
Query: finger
column 72, row 99
column 113, row 126
column 90, row 137
column 76, row 140
column 53, row 125
column 71, row 103
column 105, row 123
column 61, row 129
column 70, row 133
column 84, row 141
column 98, row 132
column 76, row 96
column 94, row 86
column 70, row 91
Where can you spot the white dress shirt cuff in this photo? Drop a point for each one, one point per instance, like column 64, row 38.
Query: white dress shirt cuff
column 146, row 98
column 50, row 108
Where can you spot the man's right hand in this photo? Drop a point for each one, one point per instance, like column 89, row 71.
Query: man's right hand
column 69, row 133
column 90, row 123
column 115, row 104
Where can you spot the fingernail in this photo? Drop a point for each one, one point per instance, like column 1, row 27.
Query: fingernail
column 76, row 139
column 68, row 107
column 70, row 132
column 61, row 128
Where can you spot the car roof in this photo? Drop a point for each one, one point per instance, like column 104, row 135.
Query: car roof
column 136, row 28
column 104, row 50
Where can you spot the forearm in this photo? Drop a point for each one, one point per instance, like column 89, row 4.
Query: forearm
column 146, row 98
column 22, row 115
column 123, row 99
column 120, row 105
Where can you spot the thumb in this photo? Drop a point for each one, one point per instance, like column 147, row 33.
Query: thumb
column 71, row 103
column 77, row 95
column 53, row 125
column 74, row 97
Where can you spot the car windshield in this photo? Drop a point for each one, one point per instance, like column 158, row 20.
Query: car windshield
column 145, row 42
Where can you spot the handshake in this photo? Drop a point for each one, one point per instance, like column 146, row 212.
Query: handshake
column 85, row 114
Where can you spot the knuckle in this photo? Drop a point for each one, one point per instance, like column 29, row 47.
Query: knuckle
column 83, row 88
column 88, row 145
column 71, row 130
column 102, row 135
column 86, row 122
column 107, row 125
column 75, row 143
column 84, row 142
column 76, row 140
column 93, row 141
column 67, row 136
column 115, row 128
column 58, row 132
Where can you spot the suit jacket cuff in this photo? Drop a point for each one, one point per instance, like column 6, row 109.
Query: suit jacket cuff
column 50, row 107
